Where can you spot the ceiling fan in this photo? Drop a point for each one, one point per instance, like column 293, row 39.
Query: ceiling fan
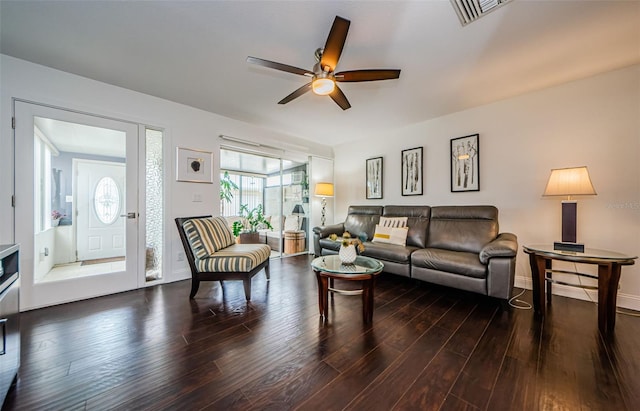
column 323, row 77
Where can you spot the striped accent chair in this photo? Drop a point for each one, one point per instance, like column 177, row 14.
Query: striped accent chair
column 213, row 254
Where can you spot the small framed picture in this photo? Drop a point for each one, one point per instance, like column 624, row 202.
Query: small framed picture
column 194, row 166
column 412, row 172
column 374, row 178
column 465, row 163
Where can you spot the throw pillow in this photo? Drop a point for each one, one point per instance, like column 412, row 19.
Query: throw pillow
column 208, row 235
column 390, row 235
column 292, row 223
column 393, row 221
column 275, row 222
column 263, row 226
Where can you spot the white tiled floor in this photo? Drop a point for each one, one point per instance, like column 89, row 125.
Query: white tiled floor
column 76, row 270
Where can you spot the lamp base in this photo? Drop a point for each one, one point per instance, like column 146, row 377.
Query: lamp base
column 569, row 221
column 563, row 246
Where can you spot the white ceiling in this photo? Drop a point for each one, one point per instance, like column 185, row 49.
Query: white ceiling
column 193, row 52
column 81, row 138
column 253, row 163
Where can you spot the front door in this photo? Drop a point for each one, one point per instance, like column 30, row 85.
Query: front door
column 99, row 206
column 76, row 205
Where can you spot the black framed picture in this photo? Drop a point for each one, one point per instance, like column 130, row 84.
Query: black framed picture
column 374, row 178
column 465, row 163
column 412, row 172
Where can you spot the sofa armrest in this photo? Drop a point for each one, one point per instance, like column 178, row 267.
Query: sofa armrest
column 323, row 232
column 505, row 245
column 327, row 230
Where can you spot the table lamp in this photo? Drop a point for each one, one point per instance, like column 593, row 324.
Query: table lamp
column 569, row 182
column 298, row 211
column 324, row 190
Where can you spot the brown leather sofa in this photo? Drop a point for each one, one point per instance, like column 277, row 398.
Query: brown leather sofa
column 454, row 246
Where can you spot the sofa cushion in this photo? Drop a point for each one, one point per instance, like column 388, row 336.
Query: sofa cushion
column 417, row 221
column 208, row 235
column 457, row 262
column 330, row 244
column 362, row 219
column 462, row 228
column 389, row 252
column 390, row 235
column 235, row 258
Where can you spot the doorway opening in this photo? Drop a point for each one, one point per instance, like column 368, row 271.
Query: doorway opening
column 80, row 172
column 279, row 187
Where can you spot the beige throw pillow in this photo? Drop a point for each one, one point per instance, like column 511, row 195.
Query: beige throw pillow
column 393, row 221
column 390, row 235
column 292, row 223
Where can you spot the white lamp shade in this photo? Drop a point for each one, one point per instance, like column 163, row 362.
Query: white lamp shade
column 323, row 86
column 572, row 181
column 324, row 189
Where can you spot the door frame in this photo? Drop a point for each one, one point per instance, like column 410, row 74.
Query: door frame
column 37, row 295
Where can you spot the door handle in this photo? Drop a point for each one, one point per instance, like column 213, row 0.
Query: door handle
column 3, row 324
column 129, row 215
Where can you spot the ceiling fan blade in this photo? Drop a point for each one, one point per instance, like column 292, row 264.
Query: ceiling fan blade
column 335, row 43
column 279, row 66
column 296, row 94
column 338, row 96
column 367, row 75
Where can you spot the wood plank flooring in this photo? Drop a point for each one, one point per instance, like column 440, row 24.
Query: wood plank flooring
column 428, row 348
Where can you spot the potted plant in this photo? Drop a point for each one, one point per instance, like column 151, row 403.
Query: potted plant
column 246, row 230
column 227, row 187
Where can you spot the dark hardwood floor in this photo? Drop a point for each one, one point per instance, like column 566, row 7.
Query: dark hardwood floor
column 428, row 348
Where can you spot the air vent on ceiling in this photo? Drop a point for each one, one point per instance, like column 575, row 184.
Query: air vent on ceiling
column 471, row 10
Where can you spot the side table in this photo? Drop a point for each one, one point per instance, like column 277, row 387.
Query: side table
column 294, row 242
column 609, row 265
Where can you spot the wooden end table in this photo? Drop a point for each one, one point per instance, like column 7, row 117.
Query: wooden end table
column 294, row 242
column 609, row 267
column 329, row 267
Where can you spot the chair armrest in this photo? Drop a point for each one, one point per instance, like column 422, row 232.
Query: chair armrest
column 327, row 230
column 505, row 245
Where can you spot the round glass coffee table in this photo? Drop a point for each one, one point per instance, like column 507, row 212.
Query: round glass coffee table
column 364, row 269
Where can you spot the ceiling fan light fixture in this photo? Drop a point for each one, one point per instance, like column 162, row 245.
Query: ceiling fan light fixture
column 323, row 86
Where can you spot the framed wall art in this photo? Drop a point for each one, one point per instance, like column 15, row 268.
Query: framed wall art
column 194, row 166
column 465, row 163
column 412, row 172
column 374, row 178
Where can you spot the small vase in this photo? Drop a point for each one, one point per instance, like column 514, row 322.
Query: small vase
column 55, row 223
column 348, row 254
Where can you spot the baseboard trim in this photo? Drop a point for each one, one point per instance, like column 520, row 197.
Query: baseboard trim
column 628, row 301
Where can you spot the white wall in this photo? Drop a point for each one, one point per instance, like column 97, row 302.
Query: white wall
column 593, row 122
column 183, row 126
column 321, row 172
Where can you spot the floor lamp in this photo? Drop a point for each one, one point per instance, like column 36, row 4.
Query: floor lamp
column 324, row 190
column 569, row 182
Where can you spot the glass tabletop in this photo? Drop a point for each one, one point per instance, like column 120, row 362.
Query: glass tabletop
column 332, row 264
column 588, row 252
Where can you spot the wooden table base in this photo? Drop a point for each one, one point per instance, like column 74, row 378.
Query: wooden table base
column 608, row 279
column 368, row 285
